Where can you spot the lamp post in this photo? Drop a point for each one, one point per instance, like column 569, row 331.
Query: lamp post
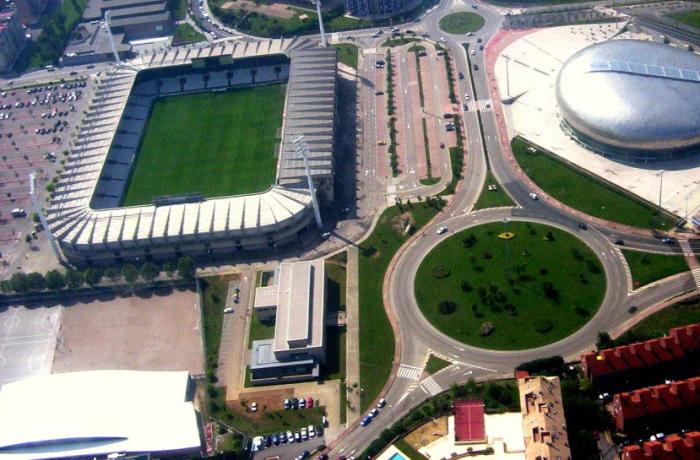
column 661, row 184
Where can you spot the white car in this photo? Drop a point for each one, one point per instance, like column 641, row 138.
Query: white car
column 304, row 434
column 312, row 431
column 533, row 196
column 441, row 230
column 228, row 310
column 254, row 407
column 443, row 39
column 257, row 443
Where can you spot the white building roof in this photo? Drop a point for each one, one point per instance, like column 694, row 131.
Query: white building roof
column 97, row 413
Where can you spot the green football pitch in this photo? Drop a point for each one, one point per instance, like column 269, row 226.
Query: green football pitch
column 215, row 143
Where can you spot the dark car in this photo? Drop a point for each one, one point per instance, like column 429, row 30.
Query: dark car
column 632, row 309
column 619, row 242
column 268, row 441
column 583, row 226
column 476, row 67
column 461, row 76
column 379, row 93
column 295, row 403
column 668, row 240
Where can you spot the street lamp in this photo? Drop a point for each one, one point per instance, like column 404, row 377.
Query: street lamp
column 661, row 184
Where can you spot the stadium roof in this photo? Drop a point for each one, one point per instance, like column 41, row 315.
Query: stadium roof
column 97, row 413
column 633, row 94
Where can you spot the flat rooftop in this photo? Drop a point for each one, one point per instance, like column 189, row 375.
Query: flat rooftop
column 300, row 305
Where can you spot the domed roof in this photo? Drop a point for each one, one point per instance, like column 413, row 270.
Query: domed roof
column 633, row 94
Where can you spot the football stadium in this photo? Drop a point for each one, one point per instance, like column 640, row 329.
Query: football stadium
column 191, row 152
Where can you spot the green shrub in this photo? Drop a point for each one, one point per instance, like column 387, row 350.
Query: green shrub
column 441, row 271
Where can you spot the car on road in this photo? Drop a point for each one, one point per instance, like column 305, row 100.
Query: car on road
column 619, row 242
column 381, row 403
column 382, row 142
column 476, row 67
column 18, row 212
column 668, row 240
column 443, row 39
column 374, row 412
column 533, row 196
column 228, row 310
column 632, row 309
column 442, row 145
column 442, row 229
column 379, row 93
column 469, row 34
column 472, row 52
column 461, row 76
column 447, row 115
column 479, row 40
column 583, row 226
column 325, row 236
column 366, row 420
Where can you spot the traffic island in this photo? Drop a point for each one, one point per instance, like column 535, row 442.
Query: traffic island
column 510, row 285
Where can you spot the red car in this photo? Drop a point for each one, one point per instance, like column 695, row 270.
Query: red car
column 309, row 402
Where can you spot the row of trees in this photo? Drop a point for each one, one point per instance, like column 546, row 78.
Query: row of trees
column 55, row 280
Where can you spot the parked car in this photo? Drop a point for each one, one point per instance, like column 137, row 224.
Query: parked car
column 297, row 436
column 18, row 212
column 254, row 407
column 632, row 309
column 304, row 434
column 309, row 402
column 287, row 404
column 619, row 242
column 374, row 412
column 312, row 431
column 442, row 229
column 533, row 196
column 366, row 420
column 669, row 240
column 257, row 443
column 295, row 403
column 275, row 440
column 302, row 403
column 268, row 441
column 228, row 310
column 290, row 436
column 381, row 403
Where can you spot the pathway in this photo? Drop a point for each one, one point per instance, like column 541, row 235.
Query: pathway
column 352, row 361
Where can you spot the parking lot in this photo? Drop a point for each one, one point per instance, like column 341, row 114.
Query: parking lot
column 35, row 129
column 158, row 331
column 27, row 341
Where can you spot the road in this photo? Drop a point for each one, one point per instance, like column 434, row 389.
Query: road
column 417, row 336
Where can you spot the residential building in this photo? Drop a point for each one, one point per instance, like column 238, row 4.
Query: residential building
column 136, row 19
column 544, row 424
column 684, row 446
column 12, row 37
column 94, row 414
column 646, row 408
column 639, row 363
column 90, row 43
column 299, row 346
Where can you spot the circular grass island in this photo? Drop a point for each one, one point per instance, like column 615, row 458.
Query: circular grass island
column 510, row 286
column 461, row 23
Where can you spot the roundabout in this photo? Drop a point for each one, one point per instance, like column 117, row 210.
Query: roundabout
column 509, row 285
column 461, row 23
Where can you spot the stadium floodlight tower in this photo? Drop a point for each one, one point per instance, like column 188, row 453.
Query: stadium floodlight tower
column 108, row 29
column 320, row 24
column 37, row 209
column 301, row 149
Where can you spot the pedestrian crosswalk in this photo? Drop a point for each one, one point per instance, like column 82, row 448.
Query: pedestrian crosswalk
column 481, row 104
column 696, row 277
column 430, row 386
column 409, row 372
column 685, row 246
column 689, row 254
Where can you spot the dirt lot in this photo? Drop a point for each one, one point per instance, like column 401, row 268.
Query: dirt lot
column 277, row 10
column 157, row 332
column 427, row 433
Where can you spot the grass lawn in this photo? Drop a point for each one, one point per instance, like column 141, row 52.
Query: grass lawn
column 335, row 286
column 436, row 364
column 492, row 198
column 334, row 368
column 347, row 54
column 676, row 315
column 267, row 422
column 391, row 42
column 408, row 450
column 375, row 331
column 217, row 144
column 647, row 268
column 692, row 18
column 213, row 302
column 185, row 33
column 461, row 23
column 260, row 330
column 57, row 26
column 585, row 193
column 474, row 279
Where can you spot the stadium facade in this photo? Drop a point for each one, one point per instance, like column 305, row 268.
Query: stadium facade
column 85, row 216
column 632, row 100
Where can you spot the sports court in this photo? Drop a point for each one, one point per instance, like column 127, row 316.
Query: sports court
column 27, row 341
column 156, row 331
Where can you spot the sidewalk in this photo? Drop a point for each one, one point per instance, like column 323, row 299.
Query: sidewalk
column 352, row 361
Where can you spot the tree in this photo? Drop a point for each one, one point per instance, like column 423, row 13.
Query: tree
column 93, row 276
column 170, row 267
column 185, row 268
column 149, row 271
column 74, row 279
column 130, row 273
column 55, row 280
column 112, row 274
column 447, row 307
column 20, row 282
column 37, row 282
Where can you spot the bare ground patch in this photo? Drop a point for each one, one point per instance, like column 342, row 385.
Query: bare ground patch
column 276, row 10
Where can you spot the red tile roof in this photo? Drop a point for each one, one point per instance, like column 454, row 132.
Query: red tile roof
column 642, row 354
column 655, row 400
column 469, row 421
column 675, row 447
